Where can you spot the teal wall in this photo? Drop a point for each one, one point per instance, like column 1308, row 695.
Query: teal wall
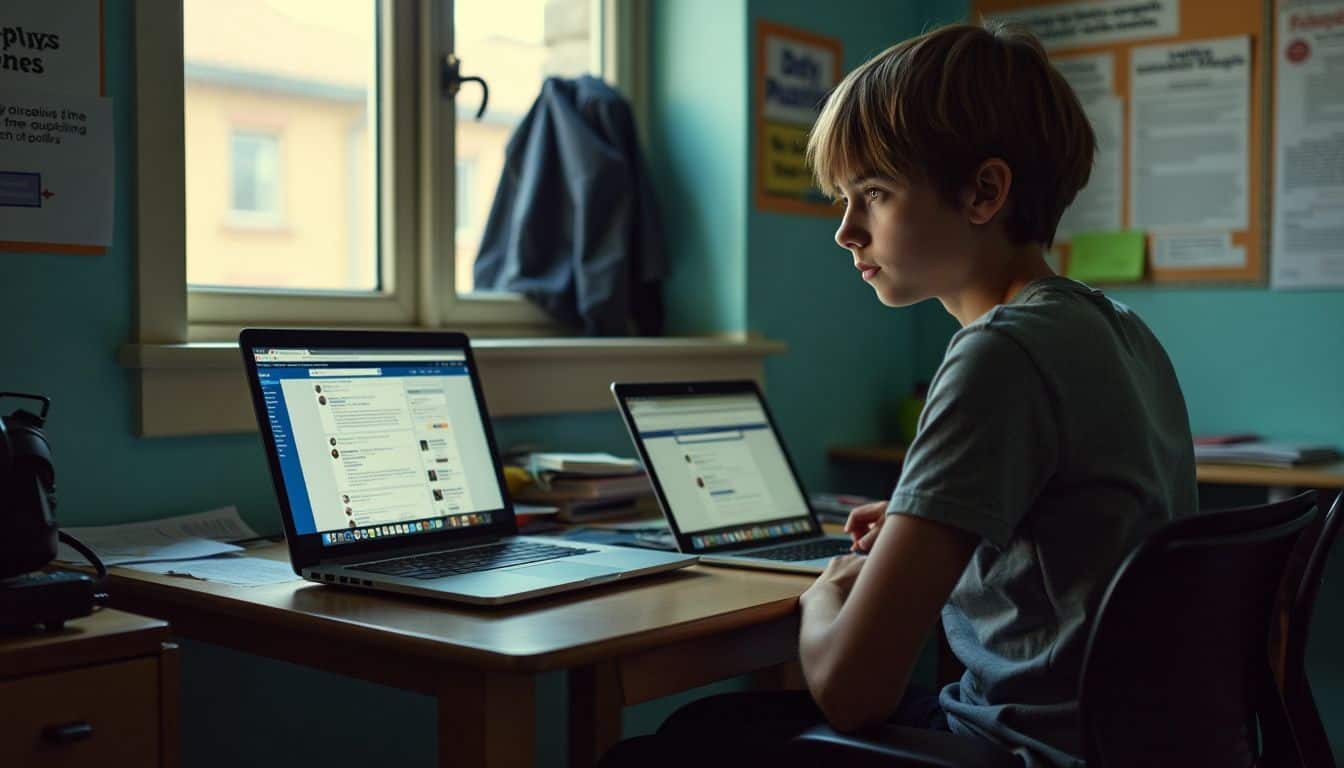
column 849, row 361
column 697, row 154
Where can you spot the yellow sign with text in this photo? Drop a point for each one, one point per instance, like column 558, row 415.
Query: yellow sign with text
column 784, row 168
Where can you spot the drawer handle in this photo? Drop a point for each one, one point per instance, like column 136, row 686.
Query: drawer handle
column 67, row 733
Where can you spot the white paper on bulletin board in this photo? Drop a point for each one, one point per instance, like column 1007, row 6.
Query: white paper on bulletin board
column 1093, row 22
column 1098, row 206
column 56, row 168
column 51, row 45
column 1308, row 226
column 1190, row 135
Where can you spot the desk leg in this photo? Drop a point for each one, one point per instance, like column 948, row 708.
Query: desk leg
column 488, row 719
column 595, row 700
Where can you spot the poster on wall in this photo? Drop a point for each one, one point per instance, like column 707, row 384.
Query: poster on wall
column 796, row 69
column 1308, row 222
column 56, row 145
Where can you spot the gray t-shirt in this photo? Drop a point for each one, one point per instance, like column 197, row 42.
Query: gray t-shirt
column 1055, row 429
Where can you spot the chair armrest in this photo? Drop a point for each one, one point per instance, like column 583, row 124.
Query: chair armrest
column 897, row 747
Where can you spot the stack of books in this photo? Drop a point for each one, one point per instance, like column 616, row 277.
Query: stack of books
column 1272, row 454
column 588, row 486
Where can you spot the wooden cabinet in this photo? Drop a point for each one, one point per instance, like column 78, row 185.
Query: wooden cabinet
column 101, row 692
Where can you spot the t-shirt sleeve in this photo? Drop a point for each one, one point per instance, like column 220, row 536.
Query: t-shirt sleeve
column 987, row 439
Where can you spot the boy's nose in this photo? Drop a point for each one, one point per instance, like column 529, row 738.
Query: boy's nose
column 850, row 236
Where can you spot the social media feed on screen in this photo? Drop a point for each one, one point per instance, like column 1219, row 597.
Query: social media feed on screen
column 385, row 444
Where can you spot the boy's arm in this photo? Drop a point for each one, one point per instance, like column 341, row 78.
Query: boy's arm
column 866, row 618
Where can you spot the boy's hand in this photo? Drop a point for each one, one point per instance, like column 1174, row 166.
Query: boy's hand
column 864, row 523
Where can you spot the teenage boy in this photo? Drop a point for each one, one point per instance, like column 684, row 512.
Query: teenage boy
column 1054, row 436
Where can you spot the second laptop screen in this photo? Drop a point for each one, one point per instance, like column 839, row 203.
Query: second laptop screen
column 717, row 460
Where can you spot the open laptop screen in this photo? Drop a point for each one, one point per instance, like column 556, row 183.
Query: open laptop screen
column 720, row 466
column 378, row 443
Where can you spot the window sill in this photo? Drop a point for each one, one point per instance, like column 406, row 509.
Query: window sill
column 200, row 389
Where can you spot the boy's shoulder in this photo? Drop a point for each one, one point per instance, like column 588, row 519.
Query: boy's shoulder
column 1060, row 314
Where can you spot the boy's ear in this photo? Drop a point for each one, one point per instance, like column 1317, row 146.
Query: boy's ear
column 988, row 192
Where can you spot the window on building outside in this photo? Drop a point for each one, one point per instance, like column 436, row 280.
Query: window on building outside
column 254, row 162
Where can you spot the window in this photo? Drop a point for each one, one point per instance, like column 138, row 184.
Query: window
column 254, row 162
column 397, row 200
column 328, row 180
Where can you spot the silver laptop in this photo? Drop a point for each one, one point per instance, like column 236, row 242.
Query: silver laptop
column 385, row 466
column 725, row 483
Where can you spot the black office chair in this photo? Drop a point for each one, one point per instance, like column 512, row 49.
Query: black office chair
column 1312, row 742
column 1177, row 669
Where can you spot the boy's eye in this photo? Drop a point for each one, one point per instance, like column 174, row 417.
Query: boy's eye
column 873, row 193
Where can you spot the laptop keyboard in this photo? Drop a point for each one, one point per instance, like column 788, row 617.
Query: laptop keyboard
column 436, row 565
column 807, row 550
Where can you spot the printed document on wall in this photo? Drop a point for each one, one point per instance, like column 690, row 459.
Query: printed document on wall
column 1189, row 135
column 1097, row 206
column 1309, row 146
column 51, row 45
column 56, row 168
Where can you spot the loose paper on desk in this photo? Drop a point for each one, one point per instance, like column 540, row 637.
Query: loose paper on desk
column 56, row 168
column 1106, row 257
column 175, row 538
column 1189, row 133
column 1097, row 206
column 1308, row 205
column 237, row 571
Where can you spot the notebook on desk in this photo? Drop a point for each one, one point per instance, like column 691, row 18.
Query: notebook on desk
column 385, row 466
column 722, row 476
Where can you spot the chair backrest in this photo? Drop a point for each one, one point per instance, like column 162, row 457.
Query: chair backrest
column 1312, row 741
column 1177, row 668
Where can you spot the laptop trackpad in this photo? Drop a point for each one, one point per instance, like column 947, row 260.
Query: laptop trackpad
column 563, row 571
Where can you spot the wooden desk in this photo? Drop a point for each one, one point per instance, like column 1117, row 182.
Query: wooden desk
column 623, row 644
column 1315, row 476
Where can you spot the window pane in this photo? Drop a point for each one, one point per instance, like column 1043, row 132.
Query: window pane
column 281, row 138
column 514, row 46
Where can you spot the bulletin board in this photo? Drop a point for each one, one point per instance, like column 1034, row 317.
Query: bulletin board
column 795, row 70
column 1195, row 21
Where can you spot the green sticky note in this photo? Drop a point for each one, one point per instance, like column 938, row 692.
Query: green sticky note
column 1106, row 257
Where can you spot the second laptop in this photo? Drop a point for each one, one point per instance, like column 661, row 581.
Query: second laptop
column 724, row 481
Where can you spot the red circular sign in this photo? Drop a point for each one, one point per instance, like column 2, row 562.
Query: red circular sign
column 1298, row 51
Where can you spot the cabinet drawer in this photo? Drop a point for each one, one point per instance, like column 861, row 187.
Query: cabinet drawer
column 100, row 716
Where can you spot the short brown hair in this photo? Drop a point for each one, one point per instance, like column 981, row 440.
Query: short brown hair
column 935, row 107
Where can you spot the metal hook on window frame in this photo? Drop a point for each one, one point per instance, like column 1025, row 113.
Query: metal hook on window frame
column 453, row 80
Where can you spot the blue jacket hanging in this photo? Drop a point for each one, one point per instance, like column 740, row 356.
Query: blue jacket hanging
column 574, row 226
